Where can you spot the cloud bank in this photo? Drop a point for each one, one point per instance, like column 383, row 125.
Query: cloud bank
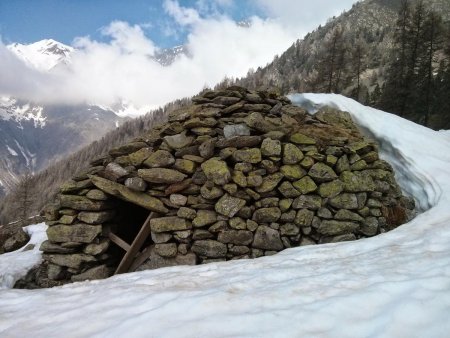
column 122, row 69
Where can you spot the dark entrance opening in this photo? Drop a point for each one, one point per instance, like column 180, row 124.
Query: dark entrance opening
column 127, row 224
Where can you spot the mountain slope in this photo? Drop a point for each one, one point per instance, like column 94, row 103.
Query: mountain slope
column 32, row 135
column 365, row 39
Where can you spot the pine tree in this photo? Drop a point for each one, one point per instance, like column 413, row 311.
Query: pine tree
column 25, row 197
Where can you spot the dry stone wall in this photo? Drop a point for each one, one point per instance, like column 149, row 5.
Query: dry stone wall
column 238, row 174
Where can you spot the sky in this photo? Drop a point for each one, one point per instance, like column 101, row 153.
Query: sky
column 115, row 40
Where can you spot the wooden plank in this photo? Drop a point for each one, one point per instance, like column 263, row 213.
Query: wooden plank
column 128, row 259
column 140, row 258
column 119, row 241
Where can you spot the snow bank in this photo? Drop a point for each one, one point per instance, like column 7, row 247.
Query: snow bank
column 15, row 265
column 393, row 285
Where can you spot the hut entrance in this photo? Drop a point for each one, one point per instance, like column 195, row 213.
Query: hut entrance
column 130, row 233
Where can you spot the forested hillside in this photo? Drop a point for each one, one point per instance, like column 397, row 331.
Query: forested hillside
column 393, row 55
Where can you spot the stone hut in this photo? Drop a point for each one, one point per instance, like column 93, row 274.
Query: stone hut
column 237, row 174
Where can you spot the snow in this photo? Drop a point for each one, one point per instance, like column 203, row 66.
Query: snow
column 42, row 55
column 14, row 265
column 10, row 109
column 11, row 151
column 394, row 285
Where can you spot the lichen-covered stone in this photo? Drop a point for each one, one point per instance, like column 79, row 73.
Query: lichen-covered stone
column 271, row 147
column 252, row 155
column 179, row 141
column 304, row 217
column 287, row 190
column 204, row 218
column 305, row 185
column 292, row 171
column 96, row 217
column 292, row 154
column 217, row 171
column 82, row 203
column 267, row 215
column 299, row 138
column 320, row 172
column 344, row 201
column 82, row 233
column 97, row 195
column 237, row 237
column 159, row 159
column 98, row 272
column 161, row 175
column 171, row 223
column 236, row 130
column 267, row 239
column 312, row 202
column 73, row 261
column 229, row 205
column 332, row 227
column 139, row 198
column 270, row 182
column 209, row 248
column 166, row 249
column 331, row 189
column 347, row 215
column 95, row 249
column 136, row 183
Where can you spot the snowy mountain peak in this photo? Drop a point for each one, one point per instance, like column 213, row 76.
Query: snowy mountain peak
column 42, row 55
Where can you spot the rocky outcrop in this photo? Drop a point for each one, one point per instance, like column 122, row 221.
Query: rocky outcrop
column 238, row 174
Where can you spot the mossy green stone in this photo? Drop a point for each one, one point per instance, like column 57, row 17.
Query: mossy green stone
column 300, row 138
column 292, row 171
column 331, row 189
column 217, row 171
column 292, row 154
column 305, row 185
column 357, row 181
column 139, row 156
column 252, row 155
column 307, row 162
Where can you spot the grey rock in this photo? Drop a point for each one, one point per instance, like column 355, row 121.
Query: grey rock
column 267, row 239
column 236, row 130
column 209, row 248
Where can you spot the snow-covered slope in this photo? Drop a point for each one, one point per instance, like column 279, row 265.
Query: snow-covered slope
column 42, row 55
column 393, row 285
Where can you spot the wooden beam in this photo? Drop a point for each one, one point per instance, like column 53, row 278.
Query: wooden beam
column 119, row 241
column 140, row 258
column 128, row 259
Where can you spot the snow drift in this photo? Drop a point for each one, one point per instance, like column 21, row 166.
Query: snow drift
column 396, row 284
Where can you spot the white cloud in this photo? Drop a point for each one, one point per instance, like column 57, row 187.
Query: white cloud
column 122, row 69
column 303, row 16
column 182, row 15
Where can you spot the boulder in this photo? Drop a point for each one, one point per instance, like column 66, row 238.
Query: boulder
column 81, row 233
column 161, row 175
column 332, row 227
column 229, row 205
column 267, row 239
column 98, row 272
column 171, row 223
column 209, row 248
column 237, row 237
column 217, row 171
column 320, row 172
column 159, row 159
